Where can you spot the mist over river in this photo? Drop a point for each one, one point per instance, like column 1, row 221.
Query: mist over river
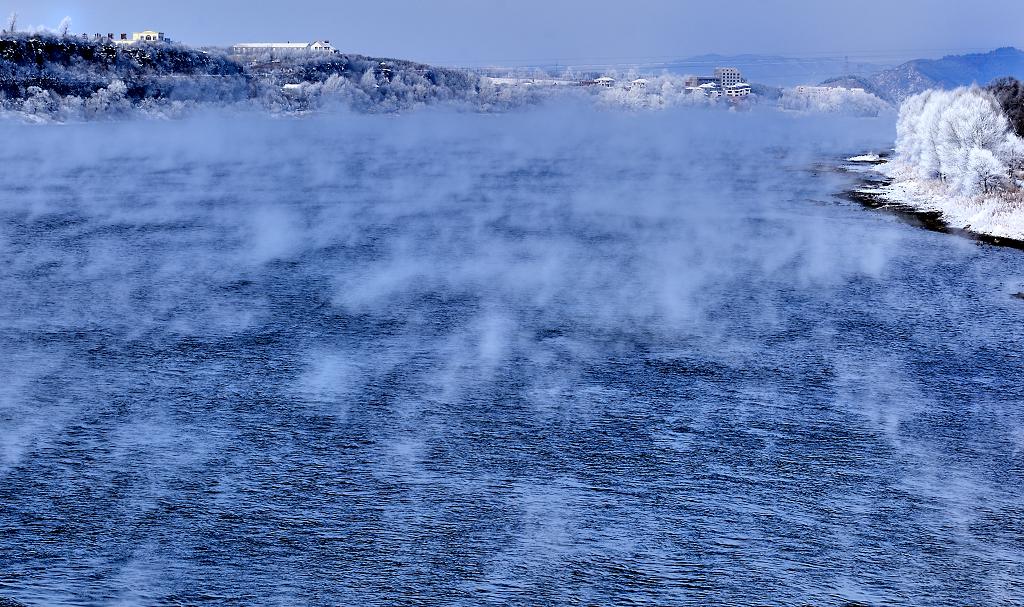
column 560, row 356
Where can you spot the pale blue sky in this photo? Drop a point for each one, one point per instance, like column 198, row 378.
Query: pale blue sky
column 472, row 32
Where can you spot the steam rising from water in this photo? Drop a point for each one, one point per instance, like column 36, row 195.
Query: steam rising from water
column 541, row 357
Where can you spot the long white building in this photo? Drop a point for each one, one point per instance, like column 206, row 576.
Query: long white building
column 824, row 91
column 320, row 47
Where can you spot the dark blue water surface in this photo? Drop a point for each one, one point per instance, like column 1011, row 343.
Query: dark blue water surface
column 557, row 357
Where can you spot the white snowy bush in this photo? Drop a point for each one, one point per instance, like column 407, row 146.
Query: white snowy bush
column 961, row 137
column 957, row 154
column 39, row 102
column 835, row 100
column 981, row 172
column 108, row 102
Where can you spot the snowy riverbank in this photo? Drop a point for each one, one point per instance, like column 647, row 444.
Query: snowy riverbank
column 995, row 215
column 957, row 158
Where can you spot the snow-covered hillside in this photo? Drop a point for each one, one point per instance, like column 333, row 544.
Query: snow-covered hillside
column 901, row 82
column 47, row 77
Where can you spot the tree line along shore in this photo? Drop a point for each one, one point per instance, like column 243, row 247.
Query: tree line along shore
column 960, row 155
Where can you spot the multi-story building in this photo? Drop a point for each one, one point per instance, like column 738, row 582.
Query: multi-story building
column 728, row 76
column 724, row 76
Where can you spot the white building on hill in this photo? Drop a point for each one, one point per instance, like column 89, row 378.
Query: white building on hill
column 708, row 89
column 143, row 36
column 741, row 89
column 320, row 47
column 724, row 76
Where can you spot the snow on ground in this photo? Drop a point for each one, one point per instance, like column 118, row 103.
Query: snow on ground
column 865, row 158
column 993, row 214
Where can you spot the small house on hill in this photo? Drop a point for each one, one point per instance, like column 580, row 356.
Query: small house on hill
column 740, row 89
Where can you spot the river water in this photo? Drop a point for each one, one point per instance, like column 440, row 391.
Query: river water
column 556, row 357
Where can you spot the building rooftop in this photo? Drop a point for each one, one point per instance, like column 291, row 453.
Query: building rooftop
column 273, row 45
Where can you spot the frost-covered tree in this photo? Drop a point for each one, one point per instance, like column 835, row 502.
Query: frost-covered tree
column 909, row 134
column 369, row 80
column 837, row 100
column 974, row 119
column 962, row 137
column 1012, row 153
column 64, row 27
column 109, row 101
column 982, row 172
column 933, row 146
column 40, row 102
column 12, row 23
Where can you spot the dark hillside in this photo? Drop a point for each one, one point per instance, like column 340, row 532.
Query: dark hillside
column 378, row 84
column 1010, row 93
column 73, row 66
column 51, row 68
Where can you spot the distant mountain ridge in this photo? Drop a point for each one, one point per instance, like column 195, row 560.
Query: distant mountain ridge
column 898, row 83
